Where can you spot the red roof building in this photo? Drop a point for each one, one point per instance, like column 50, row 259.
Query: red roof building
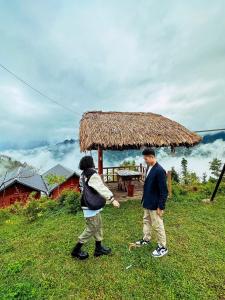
column 18, row 184
column 70, row 180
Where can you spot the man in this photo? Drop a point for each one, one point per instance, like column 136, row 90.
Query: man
column 153, row 201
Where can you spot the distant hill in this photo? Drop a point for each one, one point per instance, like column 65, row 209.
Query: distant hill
column 112, row 156
column 210, row 138
column 68, row 153
column 7, row 164
column 68, row 142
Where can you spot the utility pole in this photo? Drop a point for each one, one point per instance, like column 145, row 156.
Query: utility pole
column 218, row 183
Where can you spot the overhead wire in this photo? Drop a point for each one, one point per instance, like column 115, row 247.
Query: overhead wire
column 31, row 86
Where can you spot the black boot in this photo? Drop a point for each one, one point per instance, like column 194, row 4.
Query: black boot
column 101, row 250
column 78, row 253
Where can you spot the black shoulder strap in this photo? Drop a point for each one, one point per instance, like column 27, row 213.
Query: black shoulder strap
column 88, row 173
column 82, row 178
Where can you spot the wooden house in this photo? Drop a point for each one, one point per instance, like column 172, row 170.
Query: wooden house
column 70, row 180
column 18, row 184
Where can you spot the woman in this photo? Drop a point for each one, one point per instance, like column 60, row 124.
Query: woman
column 92, row 217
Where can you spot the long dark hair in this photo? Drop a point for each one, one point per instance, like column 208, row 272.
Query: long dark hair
column 86, row 162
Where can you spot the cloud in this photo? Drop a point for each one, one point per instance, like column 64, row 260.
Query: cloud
column 15, row 103
column 24, row 121
column 43, row 158
column 161, row 56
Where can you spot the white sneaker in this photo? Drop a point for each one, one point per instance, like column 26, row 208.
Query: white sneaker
column 159, row 251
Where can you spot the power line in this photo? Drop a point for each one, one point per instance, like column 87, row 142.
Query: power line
column 210, row 130
column 67, row 108
column 37, row 90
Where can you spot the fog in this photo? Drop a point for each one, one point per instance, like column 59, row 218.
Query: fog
column 43, row 158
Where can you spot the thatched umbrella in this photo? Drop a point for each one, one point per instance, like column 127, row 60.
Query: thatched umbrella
column 131, row 130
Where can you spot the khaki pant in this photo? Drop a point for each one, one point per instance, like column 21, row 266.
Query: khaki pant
column 152, row 221
column 93, row 229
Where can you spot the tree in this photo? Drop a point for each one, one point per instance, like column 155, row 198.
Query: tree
column 130, row 164
column 192, row 178
column 204, row 177
column 53, row 179
column 175, row 175
column 215, row 167
column 184, row 170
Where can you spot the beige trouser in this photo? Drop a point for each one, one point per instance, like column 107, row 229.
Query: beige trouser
column 152, row 221
column 93, row 229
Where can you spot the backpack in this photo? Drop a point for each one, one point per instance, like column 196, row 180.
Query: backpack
column 92, row 199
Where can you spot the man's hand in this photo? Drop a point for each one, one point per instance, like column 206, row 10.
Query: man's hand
column 160, row 212
column 116, row 203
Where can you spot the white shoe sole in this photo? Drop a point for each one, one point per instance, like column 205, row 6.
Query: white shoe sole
column 161, row 255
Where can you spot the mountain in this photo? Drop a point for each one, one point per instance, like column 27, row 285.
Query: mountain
column 210, row 138
column 61, row 149
column 7, row 164
column 68, row 142
column 68, row 154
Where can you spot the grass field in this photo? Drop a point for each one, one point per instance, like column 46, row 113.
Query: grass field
column 35, row 257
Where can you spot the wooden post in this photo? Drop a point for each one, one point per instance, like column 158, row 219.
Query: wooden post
column 169, row 181
column 218, row 184
column 100, row 161
column 142, row 172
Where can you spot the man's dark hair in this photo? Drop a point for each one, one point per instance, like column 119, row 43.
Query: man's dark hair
column 86, row 162
column 148, row 151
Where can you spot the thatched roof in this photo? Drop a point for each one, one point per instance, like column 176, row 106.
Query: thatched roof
column 126, row 130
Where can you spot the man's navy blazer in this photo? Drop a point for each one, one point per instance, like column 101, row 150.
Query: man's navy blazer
column 155, row 188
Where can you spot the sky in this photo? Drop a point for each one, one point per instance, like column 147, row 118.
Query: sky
column 163, row 56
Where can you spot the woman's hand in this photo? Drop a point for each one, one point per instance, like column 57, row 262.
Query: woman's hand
column 116, row 203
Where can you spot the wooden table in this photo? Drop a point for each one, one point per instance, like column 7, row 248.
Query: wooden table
column 125, row 178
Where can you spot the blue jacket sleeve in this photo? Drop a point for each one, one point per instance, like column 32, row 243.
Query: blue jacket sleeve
column 163, row 190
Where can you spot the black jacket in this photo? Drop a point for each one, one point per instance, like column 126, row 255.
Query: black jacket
column 155, row 189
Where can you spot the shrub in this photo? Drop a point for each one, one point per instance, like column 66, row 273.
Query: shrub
column 70, row 200
column 209, row 187
column 62, row 197
column 32, row 210
column 16, row 208
column 4, row 215
column 177, row 192
column 181, row 193
column 222, row 188
column 47, row 204
column 35, row 208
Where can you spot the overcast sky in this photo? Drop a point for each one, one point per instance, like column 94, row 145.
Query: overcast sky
column 162, row 56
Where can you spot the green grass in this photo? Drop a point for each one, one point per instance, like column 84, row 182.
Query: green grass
column 35, row 258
